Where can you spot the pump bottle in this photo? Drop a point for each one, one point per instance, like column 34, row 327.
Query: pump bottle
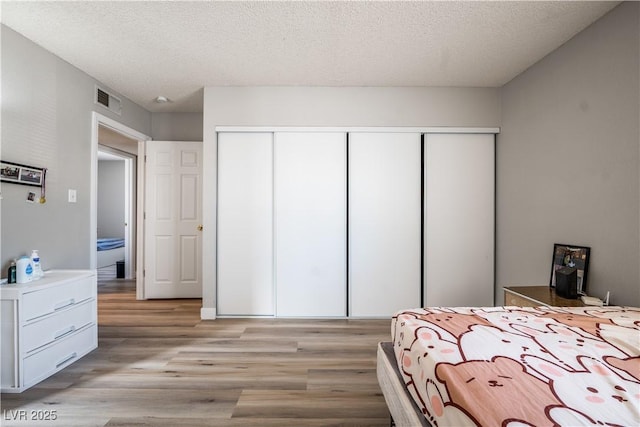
column 35, row 262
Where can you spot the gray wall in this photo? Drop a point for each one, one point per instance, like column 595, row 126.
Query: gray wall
column 111, row 198
column 327, row 106
column 46, row 122
column 176, row 126
column 568, row 160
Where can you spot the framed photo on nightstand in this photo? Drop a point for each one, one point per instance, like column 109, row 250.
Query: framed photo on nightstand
column 571, row 256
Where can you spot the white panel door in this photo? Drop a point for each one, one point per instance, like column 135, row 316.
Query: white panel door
column 245, row 224
column 310, row 224
column 459, row 219
column 384, row 223
column 173, row 210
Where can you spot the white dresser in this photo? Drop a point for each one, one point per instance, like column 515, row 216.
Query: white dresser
column 46, row 325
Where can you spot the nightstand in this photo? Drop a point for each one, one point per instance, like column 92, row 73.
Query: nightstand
column 535, row 296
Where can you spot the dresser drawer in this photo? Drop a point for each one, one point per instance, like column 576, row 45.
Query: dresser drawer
column 58, row 325
column 49, row 300
column 51, row 359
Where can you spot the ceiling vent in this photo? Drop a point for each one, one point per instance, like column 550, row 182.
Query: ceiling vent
column 109, row 101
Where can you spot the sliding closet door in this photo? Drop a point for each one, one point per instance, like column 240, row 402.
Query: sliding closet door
column 245, row 224
column 459, row 219
column 384, row 222
column 310, row 223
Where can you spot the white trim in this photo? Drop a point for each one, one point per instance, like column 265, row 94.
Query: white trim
column 141, row 171
column 118, row 153
column 93, row 196
column 207, row 313
column 128, row 217
column 438, row 129
column 98, row 119
column 274, row 231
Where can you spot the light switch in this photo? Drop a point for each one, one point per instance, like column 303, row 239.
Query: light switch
column 72, row 196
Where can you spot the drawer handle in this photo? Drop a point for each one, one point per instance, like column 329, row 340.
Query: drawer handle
column 62, row 305
column 67, row 359
column 64, row 332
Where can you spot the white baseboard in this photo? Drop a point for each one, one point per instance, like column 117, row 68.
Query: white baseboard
column 207, row 313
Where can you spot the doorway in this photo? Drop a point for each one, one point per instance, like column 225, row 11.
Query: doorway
column 116, row 209
column 115, row 140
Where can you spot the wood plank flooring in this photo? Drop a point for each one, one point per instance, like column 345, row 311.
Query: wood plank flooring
column 158, row 364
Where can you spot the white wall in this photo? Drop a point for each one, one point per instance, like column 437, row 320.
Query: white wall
column 176, row 126
column 324, row 106
column 46, row 122
column 110, row 200
column 568, row 160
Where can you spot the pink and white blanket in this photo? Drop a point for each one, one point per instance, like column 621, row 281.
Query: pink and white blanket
column 520, row 366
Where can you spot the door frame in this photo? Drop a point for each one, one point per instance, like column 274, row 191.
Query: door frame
column 130, row 197
column 98, row 120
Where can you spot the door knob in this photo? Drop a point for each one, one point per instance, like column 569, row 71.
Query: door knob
column 200, row 227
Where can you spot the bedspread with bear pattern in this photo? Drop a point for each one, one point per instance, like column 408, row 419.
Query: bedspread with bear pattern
column 521, row 366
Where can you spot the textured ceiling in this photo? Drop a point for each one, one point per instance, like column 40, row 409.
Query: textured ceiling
column 145, row 49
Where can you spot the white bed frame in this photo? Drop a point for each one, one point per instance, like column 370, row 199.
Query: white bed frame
column 404, row 412
column 107, row 258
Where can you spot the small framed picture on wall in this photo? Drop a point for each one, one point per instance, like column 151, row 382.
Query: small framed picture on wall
column 9, row 172
column 21, row 174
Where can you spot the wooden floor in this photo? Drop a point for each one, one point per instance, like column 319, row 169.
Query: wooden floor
column 158, row 364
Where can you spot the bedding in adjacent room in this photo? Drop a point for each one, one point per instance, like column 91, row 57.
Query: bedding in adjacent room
column 110, row 251
column 108, row 243
column 521, row 366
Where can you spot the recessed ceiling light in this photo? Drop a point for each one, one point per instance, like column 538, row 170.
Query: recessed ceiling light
column 161, row 99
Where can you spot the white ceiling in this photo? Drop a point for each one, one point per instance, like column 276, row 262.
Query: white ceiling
column 148, row 48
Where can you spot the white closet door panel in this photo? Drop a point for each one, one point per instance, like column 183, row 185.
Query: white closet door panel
column 384, row 223
column 310, row 218
column 245, row 224
column 459, row 219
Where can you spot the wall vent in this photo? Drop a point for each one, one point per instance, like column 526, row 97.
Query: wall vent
column 108, row 100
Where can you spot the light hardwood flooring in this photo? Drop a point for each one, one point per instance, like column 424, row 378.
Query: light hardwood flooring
column 158, row 364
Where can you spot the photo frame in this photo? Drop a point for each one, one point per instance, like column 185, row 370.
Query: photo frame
column 571, row 256
column 22, row 174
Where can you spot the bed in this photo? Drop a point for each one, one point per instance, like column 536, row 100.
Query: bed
column 512, row 366
column 110, row 250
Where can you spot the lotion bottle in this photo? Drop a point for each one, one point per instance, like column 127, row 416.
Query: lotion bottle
column 35, row 262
